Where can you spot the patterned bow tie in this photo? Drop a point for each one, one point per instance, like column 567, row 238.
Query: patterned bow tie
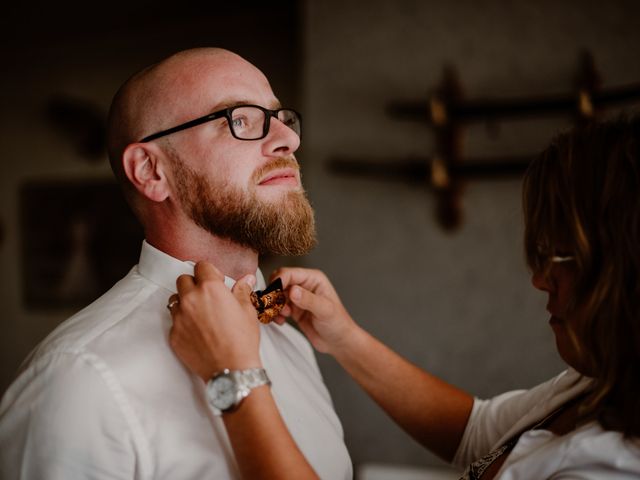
column 269, row 302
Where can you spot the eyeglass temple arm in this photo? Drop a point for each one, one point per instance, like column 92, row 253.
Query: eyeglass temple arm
column 183, row 126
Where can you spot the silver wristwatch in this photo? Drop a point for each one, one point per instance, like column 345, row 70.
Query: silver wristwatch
column 228, row 388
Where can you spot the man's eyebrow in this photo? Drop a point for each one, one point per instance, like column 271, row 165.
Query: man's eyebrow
column 235, row 102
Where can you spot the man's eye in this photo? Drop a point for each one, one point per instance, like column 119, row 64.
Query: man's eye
column 238, row 122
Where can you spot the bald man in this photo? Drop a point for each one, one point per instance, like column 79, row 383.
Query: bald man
column 205, row 156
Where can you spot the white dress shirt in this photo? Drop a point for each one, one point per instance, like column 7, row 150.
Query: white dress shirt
column 589, row 452
column 104, row 396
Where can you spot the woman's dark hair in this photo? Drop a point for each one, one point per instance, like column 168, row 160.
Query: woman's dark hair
column 583, row 194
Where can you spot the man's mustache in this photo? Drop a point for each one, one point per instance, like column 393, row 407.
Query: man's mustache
column 276, row 163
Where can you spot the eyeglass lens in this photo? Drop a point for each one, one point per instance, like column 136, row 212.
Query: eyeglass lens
column 248, row 123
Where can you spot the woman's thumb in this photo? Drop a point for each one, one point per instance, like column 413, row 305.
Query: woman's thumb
column 243, row 287
column 306, row 300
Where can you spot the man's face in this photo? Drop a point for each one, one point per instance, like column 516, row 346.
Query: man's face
column 246, row 191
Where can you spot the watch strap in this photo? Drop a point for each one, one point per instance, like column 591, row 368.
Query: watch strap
column 250, row 378
column 243, row 382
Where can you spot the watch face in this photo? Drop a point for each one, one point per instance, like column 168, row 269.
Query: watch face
column 223, row 392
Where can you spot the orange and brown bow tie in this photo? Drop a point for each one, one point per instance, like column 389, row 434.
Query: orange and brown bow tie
column 269, row 302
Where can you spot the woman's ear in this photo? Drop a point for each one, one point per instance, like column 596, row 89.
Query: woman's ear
column 145, row 172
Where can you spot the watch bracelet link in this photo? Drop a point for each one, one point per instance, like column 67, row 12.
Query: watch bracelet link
column 231, row 395
column 251, row 378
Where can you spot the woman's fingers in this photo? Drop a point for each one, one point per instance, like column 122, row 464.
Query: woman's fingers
column 204, row 271
column 318, row 305
column 312, row 280
column 185, row 283
column 242, row 291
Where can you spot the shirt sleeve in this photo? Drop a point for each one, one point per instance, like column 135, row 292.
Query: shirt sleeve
column 488, row 422
column 61, row 421
column 491, row 419
column 592, row 472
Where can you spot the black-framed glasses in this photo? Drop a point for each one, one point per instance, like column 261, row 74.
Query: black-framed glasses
column 246, row 122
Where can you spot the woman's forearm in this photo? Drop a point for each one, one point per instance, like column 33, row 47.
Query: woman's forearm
column 432, row 411
column 262, row 444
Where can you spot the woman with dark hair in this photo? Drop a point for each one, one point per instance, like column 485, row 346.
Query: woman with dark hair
column 581, row 201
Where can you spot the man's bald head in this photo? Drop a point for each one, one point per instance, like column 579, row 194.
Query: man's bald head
column 161, row 96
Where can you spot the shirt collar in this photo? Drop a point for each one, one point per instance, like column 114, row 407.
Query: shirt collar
column 163, row 269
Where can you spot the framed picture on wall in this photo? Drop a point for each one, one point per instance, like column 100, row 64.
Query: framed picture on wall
column 78, row 238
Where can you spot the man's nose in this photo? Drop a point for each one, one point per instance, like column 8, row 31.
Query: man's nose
column 281, row 140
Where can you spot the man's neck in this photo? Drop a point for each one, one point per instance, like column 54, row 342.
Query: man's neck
column 233, row 260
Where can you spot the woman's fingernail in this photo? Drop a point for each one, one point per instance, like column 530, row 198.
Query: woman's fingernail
column 251, row 280
column 295, row 293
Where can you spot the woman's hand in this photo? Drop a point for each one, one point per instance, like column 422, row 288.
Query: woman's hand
column 435, row 414
column 214, row 328
column 314, row 304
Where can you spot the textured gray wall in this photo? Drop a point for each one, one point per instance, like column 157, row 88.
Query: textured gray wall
column 461, row 304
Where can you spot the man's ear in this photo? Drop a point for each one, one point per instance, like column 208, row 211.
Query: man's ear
column 145, row 172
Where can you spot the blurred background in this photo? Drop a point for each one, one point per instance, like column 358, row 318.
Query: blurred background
column 418, row 117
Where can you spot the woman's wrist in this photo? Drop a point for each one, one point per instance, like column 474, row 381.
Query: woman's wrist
column 350, row 343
